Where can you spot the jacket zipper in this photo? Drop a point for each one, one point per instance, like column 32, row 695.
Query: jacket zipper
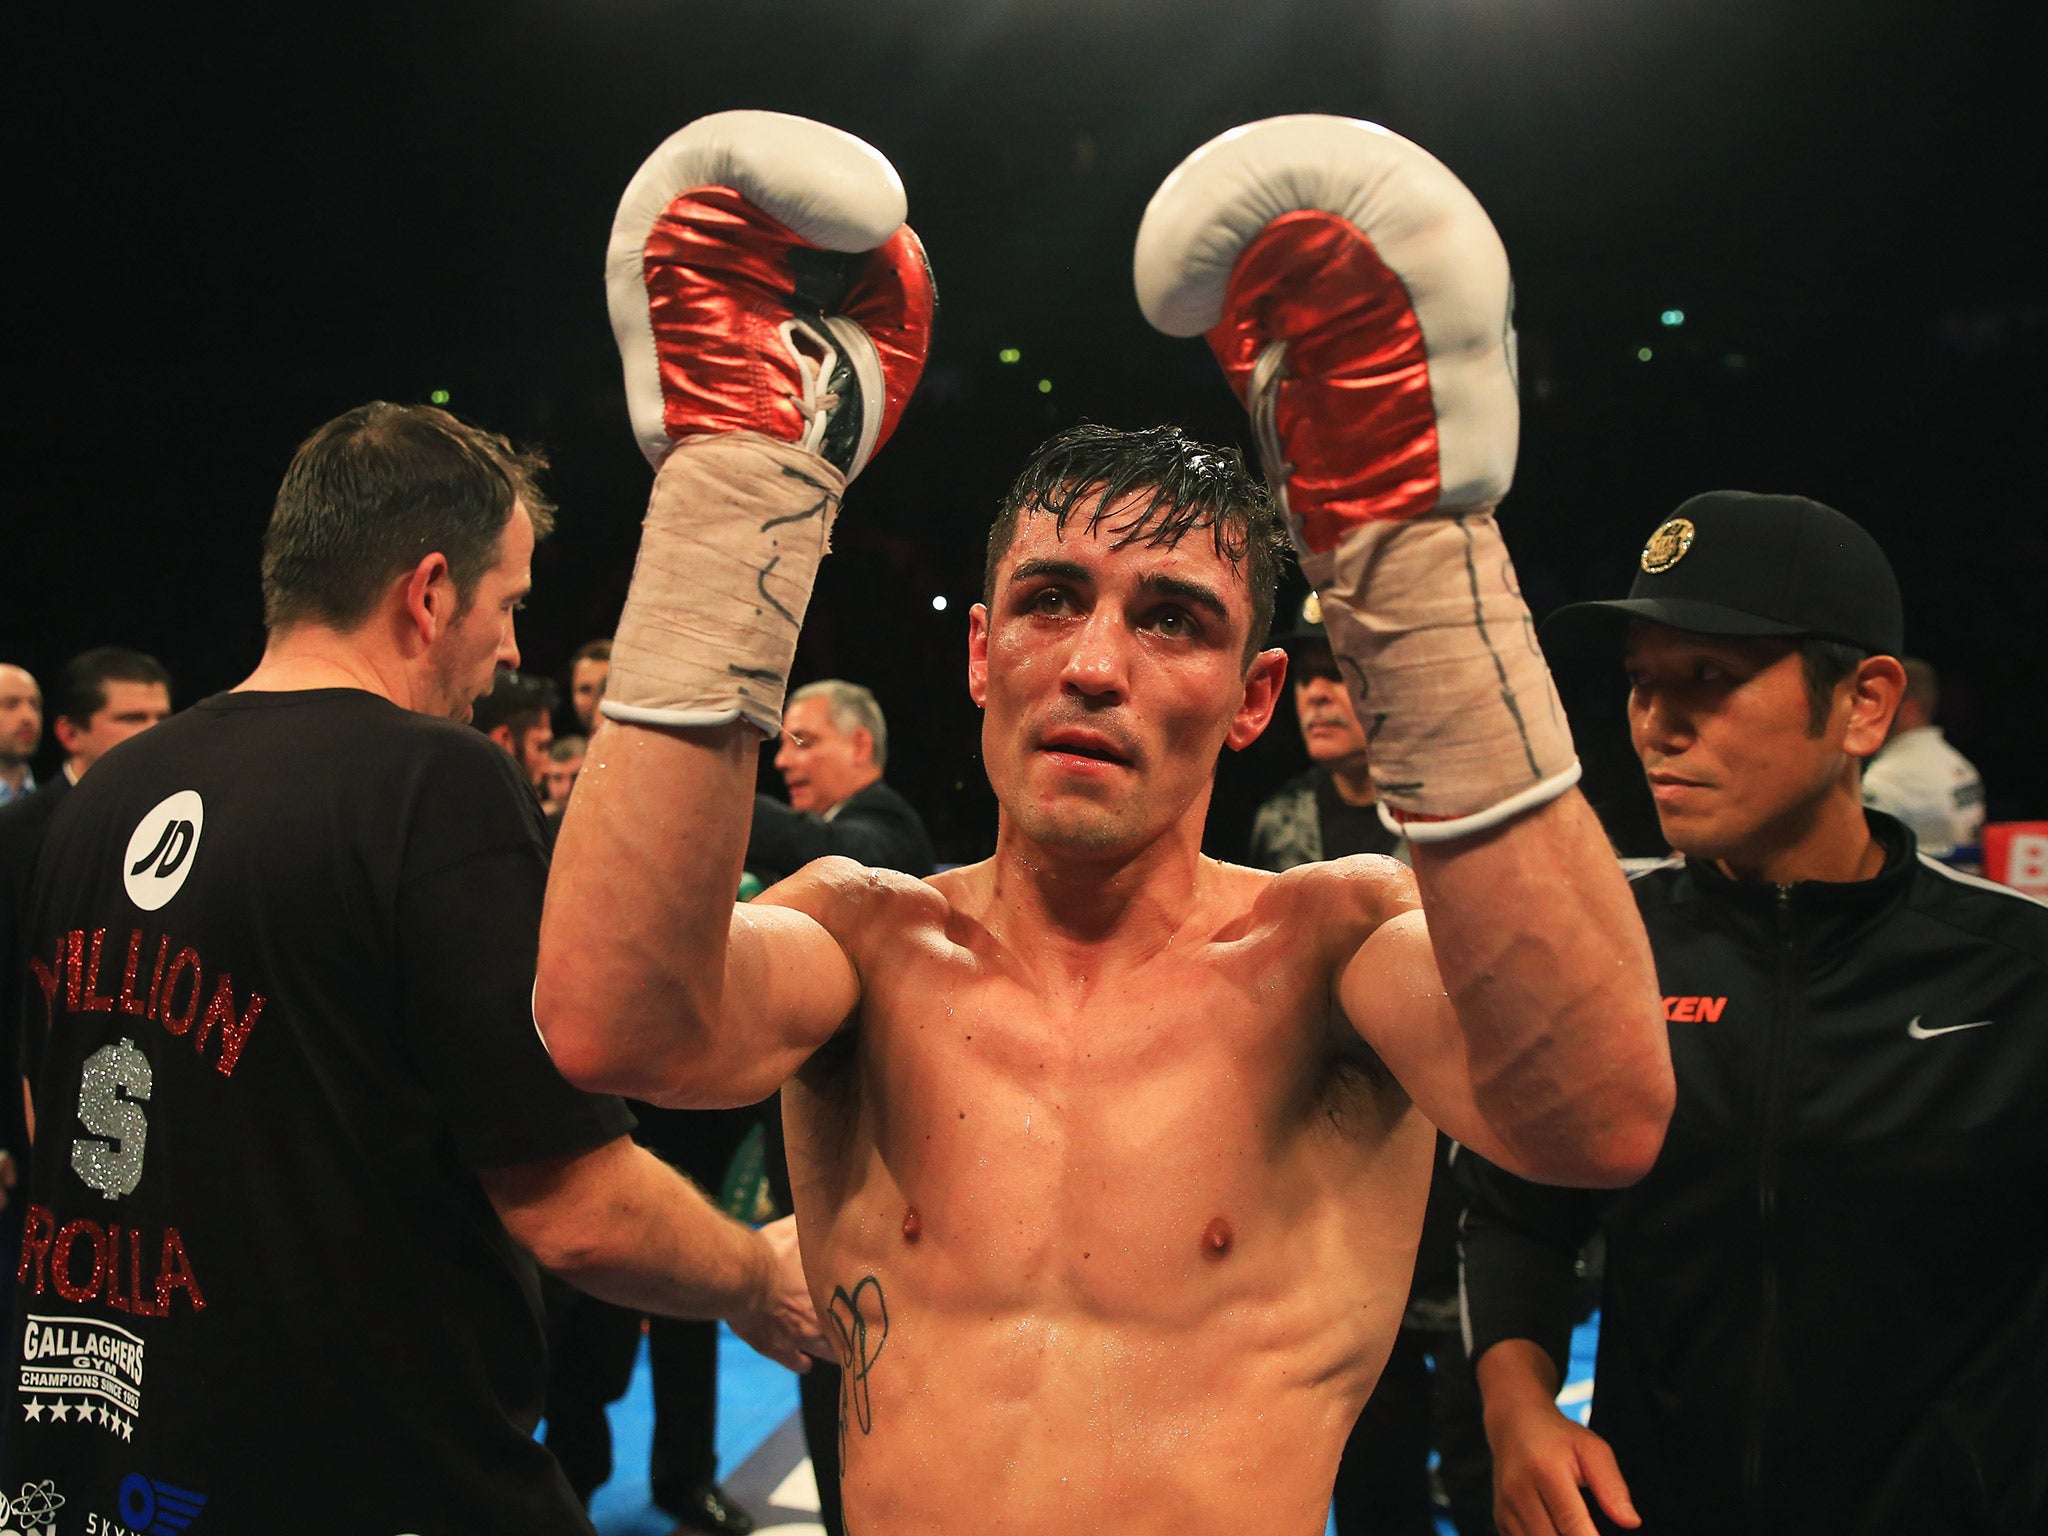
column 1769, row 1132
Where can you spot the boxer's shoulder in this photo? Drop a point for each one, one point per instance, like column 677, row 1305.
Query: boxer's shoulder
column 860, row 905
column 1344, row 900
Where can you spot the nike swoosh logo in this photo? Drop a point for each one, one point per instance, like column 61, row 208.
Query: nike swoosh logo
column 1918, row 1032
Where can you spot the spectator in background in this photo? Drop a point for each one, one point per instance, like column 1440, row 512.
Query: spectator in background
column 834, row 747
column 21, row 731
column 1331, row 808
column 103, row 697
column 565, row 761
column 518, row 714
column 1426, row 1397
column 1926, row 783
column 588, row 669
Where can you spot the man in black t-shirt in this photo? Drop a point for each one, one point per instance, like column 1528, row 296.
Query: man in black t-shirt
column 299, row 1133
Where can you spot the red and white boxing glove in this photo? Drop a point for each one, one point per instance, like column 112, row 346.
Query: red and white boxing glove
column 1359, row 301
column 773, row 312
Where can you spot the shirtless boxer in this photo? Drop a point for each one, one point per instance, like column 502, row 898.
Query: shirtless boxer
column 1110, row 1159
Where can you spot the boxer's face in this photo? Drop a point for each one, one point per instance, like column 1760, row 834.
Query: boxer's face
column 470, row 651
column 1111, row 678
column 1723, row 728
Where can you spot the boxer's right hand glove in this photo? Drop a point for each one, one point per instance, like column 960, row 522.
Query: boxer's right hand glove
column 1358, row 298
column 773, row 312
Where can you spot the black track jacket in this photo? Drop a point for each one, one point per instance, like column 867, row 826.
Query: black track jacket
column 1826, row 1307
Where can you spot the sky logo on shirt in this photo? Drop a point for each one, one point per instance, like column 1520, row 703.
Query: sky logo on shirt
column 1693, row 1010
column 158, row 1509
column 162, row 848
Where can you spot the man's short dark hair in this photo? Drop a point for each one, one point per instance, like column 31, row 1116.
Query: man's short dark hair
column 1194, row 486
column 81, row 689
column 1826, row 663
column 591, row 650
column 519, row 700
column 375, row 491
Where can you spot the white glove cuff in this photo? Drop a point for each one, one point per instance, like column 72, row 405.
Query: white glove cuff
column 1462, row 721
column 728, row 552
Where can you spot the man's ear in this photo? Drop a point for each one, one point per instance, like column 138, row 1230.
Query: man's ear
column 430, row 599
column 864, row 746
column 502, row 735
column 1874, row 690
column 67, row 735
column 977, row 655
column 1262, row 684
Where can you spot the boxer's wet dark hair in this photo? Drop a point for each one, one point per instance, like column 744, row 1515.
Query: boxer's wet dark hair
column 375, row 491
column 1088, row 470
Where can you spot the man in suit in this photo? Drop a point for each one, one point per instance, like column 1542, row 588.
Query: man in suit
column 834, row 747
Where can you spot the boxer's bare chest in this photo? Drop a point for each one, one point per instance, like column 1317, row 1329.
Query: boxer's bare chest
column 1012, row 1129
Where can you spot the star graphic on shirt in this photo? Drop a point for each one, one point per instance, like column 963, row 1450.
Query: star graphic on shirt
column 32, row 1409
column 61, row 1410
column 127, row 1429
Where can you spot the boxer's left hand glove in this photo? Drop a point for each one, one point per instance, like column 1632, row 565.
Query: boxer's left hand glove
column 1359, row 301
column 773, row 312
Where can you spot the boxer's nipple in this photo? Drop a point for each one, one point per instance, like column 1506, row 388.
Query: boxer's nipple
column 1217, row 1237
column 913, row 1224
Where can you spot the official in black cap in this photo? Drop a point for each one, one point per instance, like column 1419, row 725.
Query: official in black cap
column 1826, row 1307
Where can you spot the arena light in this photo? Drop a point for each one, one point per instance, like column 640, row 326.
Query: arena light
column 939, row 603
column 439, row 397
column 1045, row 386
column 1009, row 355
column 1673, row 317
column 1643, row 354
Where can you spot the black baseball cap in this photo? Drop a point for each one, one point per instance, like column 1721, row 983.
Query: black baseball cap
column 1306, row 628
column 1739, row 563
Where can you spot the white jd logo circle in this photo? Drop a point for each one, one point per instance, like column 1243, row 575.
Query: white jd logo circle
column 161, row 852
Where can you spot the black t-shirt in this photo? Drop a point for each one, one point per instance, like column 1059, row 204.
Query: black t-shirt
column 1346, row 828
column 282, row 952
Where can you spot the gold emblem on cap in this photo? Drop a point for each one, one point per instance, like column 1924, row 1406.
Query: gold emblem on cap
column 1668, row 545
column 1312, row 609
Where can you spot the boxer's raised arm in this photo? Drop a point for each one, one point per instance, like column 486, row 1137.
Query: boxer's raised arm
column 652, row 982
column 1521, row 1012
column 772, row 311
column 1359, row 302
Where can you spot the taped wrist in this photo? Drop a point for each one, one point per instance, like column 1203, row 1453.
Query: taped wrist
column 728, row 552
column 1463, row 724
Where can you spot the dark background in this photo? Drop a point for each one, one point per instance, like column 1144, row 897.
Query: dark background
column 228, row 224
